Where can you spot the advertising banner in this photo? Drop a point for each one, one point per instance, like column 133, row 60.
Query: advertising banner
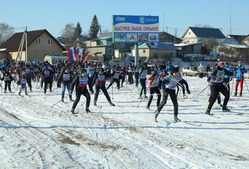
column 129, row 28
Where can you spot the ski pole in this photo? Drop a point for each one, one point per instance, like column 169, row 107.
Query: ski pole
column 112, row 92
column 139, row 102
column 55, row 104
column 204, row 89
column 232, row 87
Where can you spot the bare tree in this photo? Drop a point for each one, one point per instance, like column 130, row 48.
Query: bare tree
column 68, row 35
column 6, row 31
column 209, row 44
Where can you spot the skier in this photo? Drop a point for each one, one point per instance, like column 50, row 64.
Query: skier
column 239, row 74
column 169, row 85
column 136, row 74
column 123, row 73
column 28, row 74
column 169, row 67
column 143, row 76
column 130, row 73
column 116, row 76
column 66, row 79
column 228, row 78
column 154, row 88
column 22, row 81
column 218, row 85
column 81, row 82
column 47, row 76
column 7, row 78
column 100, row 84
column 91, row 72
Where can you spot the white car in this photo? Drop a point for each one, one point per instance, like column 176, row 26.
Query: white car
column 189, row 71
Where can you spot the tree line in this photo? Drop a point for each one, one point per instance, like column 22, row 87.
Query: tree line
column 69, row 35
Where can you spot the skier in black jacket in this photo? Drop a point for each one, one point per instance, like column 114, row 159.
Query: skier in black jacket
column 218, row 84
column 100, row 84
column 7, row 78
column 81, row 82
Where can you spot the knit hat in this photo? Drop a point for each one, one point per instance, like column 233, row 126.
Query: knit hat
column 220, row 62
column 176, row 69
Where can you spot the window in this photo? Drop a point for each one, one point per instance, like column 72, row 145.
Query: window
column 38, row 41
column 50, row 41
column 144, row 51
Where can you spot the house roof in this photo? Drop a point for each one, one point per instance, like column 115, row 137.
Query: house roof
column 238, row 38
column 13, row 43
column 160, row 45
column 207, row 32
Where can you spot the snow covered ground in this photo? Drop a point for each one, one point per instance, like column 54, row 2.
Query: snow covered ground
column 36, row 133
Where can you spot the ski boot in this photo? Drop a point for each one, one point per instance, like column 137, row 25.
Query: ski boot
column 208, row 111
column 95, row 103
column 176, row 118
column 235, row 94
column 111, row 103
column 70, row 97
column 87, row 110
column 240, row 94
column 226, row 109
column 72, row 111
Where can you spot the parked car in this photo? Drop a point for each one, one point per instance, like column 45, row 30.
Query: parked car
column 189, row 71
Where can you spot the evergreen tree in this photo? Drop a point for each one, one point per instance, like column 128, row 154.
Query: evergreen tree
column 94, row 28
column 78, row 31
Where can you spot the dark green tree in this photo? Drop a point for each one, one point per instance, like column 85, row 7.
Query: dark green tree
column 78, row 31
column 94, row 28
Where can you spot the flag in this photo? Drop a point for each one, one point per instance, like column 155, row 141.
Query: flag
column 85, row 56
column 73, row 54
column 76, row 51
column 81, row 54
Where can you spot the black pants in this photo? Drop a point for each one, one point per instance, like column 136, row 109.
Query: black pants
column 91, row 83
column 47, row 83
column 29, row 83
column 7, row 84
column 130, row 78
column 172, row 94
column 78, row 95
column 184, row 85
column 215, row 89
column 112, row 81
column 104, row 90
column 154, row 90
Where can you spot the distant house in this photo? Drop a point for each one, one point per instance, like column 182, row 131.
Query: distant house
column 101, row 49
column 39, row 44
column 197, row 34
column 166, row 37
column 194, row 37
column 163, row 50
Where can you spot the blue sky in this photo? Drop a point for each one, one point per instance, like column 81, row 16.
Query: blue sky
column 175, row 16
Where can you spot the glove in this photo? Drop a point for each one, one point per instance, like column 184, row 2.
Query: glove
column 211, row 81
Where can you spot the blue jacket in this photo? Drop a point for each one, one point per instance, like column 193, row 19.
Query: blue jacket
column 240, row 70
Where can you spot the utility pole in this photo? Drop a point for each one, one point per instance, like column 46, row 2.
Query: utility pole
column 26, row 44
column 230, row 20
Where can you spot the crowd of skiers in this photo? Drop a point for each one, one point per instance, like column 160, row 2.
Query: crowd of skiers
column 90, row 77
